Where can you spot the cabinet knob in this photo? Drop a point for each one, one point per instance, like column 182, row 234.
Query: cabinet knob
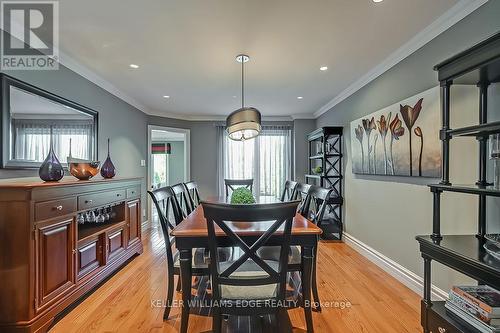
column 59, row 208
column 88, row 201
column 118, row 195
column 441, row 330
column 74, row 251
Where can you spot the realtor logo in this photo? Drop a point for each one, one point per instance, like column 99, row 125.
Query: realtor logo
column 30, row 35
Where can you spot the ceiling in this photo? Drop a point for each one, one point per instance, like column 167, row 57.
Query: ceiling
column 186, row 49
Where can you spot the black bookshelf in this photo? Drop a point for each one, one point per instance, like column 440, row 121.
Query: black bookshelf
column 325, row 151
column 480, row 66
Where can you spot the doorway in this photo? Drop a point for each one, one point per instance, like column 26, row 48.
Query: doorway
column 169, row 157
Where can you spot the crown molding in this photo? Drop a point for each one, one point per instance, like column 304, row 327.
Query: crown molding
column 441, row 24
column 193, row 117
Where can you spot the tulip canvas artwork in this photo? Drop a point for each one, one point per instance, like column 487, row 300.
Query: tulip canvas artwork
column 400, row 140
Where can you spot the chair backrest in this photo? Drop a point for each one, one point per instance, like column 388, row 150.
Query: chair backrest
column 181, row 195
column 301, row 194
column 193, row 194
column 289, row 191
column 163, row 199
column 316, row 202
column 277, row 215
column 232, row 184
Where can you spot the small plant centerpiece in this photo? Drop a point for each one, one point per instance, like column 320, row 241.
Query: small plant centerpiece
column 242, row 195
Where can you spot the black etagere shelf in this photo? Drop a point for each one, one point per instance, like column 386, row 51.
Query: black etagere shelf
column 480, row 66
column 325, row 152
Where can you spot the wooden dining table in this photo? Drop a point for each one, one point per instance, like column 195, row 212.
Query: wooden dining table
column 192, row 233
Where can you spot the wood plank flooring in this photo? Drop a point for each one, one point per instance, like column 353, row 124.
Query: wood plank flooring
column 379, row 303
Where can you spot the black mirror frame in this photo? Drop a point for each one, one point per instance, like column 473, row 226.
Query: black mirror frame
column 8, row 81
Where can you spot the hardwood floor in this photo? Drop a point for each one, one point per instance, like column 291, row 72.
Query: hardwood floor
column 124, row 303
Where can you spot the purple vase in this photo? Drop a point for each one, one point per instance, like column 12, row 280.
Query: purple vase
column 51, row 169
column 108, row 169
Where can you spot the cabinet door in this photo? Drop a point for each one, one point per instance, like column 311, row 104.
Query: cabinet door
column 116, row 242
column 133, row 221
column 55, row 252
column 90, row 256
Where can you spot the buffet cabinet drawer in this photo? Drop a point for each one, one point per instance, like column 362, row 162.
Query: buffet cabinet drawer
column 133, row 192
column 89, row 201
column 89, row 256
column 54, row 208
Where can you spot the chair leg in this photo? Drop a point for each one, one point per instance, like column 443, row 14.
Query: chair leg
column 216, row 321
column 315, row 285
column 170, row 296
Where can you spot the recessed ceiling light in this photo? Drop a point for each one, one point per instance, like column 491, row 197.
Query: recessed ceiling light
column 377, row 1
column 134, row 66
column 234, row 96
column 300, row 97
column 166, row 96
column 323, row 68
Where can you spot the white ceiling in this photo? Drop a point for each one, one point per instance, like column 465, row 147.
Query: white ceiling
column 186, row 49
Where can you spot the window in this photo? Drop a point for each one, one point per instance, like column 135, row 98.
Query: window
column 266, row 159
column 31, row 139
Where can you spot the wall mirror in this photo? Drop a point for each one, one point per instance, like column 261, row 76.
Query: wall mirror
column 30, row 115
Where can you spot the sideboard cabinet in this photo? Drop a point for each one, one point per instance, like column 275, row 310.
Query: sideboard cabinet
column 58, row 241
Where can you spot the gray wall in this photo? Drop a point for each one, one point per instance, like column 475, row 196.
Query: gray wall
column 125, row 125
column 301, row 127
column 176, row 163
column 386, row 213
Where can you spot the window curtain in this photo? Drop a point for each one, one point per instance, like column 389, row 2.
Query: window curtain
column 266, row 159
column 31, row 139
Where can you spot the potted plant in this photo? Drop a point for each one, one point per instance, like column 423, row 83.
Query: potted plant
column 318, row 170
column 242, row 195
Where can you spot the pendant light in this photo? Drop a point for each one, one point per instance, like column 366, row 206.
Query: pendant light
column 244, row 123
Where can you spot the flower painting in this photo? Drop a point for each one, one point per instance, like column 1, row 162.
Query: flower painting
column 399, row 140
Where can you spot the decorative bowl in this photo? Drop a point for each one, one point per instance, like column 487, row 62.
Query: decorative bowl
column 492, row 245
column 83, row 170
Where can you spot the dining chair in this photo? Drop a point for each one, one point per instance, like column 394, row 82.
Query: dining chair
column 232, row 184
column 288, row 191
column 301, row 191
column 193, row 194
column 182, row 196
column 160, row 197
column 313, row 208
column 249, row 278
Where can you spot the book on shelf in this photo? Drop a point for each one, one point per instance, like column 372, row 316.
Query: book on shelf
column 485, row 297
column 473, row 309
column 469, row 319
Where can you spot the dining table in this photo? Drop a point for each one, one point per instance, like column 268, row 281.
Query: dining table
column 192, row 233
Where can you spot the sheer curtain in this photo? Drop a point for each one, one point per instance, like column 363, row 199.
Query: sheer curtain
column 266, row 159
column 31, row 139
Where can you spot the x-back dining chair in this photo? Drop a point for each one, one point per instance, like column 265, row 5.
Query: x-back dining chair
column 313, row 208
column 249, row 278
column 193, row 194
column 162, row 199
column 288, row 193
column 232, row 184
column 182, row 196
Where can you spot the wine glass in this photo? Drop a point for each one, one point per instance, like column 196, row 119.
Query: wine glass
column 107, row 213
column 80, row 219
column 90, row 216
column 100, row 216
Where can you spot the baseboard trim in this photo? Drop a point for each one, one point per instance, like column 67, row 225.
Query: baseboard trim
column 402, row 274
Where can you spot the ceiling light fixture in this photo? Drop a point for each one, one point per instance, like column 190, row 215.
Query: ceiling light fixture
column 244, row 123
column 300, row 97
column 166, row 96
column 377, row 1
column 323, row 68
column 134, row 66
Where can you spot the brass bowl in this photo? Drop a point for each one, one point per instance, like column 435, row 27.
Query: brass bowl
column 84, row 170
